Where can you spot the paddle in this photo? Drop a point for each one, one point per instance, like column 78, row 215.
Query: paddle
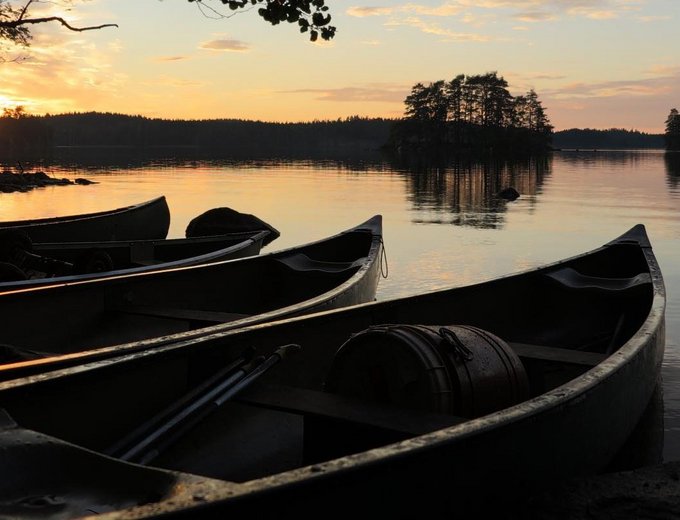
column 166, row 428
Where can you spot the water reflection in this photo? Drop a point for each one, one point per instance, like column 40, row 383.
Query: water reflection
column 120, row 159
column 465, row 192
column 609, row 158
column 672, row 162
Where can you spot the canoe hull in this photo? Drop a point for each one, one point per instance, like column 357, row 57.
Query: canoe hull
column 149, row 220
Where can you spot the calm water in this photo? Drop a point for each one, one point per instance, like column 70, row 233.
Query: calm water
column 443, row 225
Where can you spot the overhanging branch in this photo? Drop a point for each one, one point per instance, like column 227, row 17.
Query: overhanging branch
column 26, row 21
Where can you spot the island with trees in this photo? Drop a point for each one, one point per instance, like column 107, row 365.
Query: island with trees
column 471, row 114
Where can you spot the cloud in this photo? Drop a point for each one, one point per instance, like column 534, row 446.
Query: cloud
column 652, row 18
column 170, row 58
column 445, row 9
column 522, row 10
column 370, row 93
column 622, row 88
column 225, row 45
column 169, row 81
column 362, row 12
column 534, row 16
column 664, row 70
column 436, row 29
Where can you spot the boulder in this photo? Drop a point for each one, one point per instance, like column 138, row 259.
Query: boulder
column 219, row 221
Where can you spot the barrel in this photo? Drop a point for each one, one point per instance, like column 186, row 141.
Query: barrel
column 453, row 369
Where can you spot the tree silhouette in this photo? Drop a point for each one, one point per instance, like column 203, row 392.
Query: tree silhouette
column 673, row 130
column 472, row 112
column 311, row 16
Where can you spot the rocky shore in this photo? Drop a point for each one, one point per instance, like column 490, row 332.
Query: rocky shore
column 11, row 182
column 651, row 492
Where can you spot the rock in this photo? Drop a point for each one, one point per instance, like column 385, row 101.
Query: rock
column 509, row 193
column 218, row 221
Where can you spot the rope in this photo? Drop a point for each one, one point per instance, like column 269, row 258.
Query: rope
column 384, row 268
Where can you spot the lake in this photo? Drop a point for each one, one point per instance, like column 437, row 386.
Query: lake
column 443, row 224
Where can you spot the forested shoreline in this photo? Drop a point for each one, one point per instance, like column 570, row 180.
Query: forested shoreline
column 36, row 134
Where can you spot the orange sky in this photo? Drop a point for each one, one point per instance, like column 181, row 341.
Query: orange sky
column 594, row 63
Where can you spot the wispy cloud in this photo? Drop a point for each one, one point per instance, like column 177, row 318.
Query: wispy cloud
column 170, row 81
column 362, row 12
column 170, row 58
column 225, row 44
column 621, row 88
column 369, row 93
column 438, row 30
column 534, row 16
column 523, row 10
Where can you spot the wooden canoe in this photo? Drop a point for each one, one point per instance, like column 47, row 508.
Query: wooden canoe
column 147, row 220
column 111, row 314
column 71, row 262
column 307, row 440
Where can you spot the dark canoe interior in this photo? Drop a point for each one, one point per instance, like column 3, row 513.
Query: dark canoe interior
column 138, row 253
column 110, row 311
column 561, row 321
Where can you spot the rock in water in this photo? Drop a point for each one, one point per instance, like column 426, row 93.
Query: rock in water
column 508, row 193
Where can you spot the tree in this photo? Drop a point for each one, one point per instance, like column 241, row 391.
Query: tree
column 311, row 16
column 672, row 135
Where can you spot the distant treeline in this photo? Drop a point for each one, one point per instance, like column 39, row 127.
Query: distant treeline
column 229, row 135
column 21, row 134
column 614, row 138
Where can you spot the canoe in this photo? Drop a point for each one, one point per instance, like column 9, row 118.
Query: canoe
column 114, row 313
column 232, row 234
column 436, row 404
column 69, row 262
column 146, row 220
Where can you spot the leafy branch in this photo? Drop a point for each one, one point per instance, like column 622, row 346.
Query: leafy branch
column 310, row 15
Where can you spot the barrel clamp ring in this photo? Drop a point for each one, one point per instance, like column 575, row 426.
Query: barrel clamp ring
column 452, row 340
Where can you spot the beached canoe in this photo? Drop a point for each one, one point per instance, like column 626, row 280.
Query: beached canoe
column 147, row 220
column 68, row 262
column 420, row 407
column 95, row 317
column 231, row 235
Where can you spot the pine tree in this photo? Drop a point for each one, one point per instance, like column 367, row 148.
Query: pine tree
column 673, row 130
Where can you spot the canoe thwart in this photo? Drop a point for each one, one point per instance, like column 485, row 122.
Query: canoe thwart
column 572, row 279
column 335, row 407
column 182, row 314
column 558, row 355
column 301, row 262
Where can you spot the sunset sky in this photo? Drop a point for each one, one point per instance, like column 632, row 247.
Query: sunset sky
column 593, row 63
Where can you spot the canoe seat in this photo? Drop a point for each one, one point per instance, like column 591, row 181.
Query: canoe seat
column 337, row 408
column 301, row 262
column 572, row 279
column 558, row 355
column 182, row 314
